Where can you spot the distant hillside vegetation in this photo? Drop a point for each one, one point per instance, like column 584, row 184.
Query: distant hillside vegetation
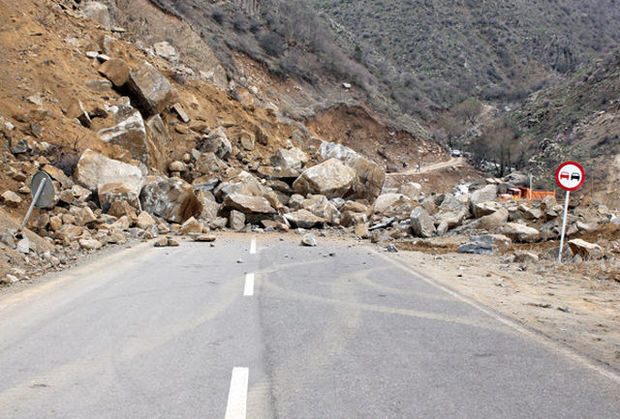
column 577, row 119
column 435, row 53
column 292, row 41
column 285, row 35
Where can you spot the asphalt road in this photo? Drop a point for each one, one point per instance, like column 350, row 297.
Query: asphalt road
column 290, row 332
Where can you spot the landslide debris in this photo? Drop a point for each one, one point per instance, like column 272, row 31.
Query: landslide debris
column 138, row 154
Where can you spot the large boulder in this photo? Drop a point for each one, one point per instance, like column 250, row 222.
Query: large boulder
column 248, row 204
column 411, row 189
column 94, row 169
column 236, row 220
column 330, row 178
column 128, row 132
column 530, row 213
column 115, row 70
column 548, row 203
column 493, row 221
column 551, row 230
column 585, row 249
column 452, row 211
column 354, row 206
column 209, row 164
column 486, row 208
column 485, row 245
column 246, row 184
column 292, row 158
column 394, row 204
column 166, row 51
column 191, row 226
column 117, row 192
column 521, row 233
column 210, row 207
column 158, row 131
column 350, row 218
column 145, row 221
column 278, row 173
column 304, row 219
column 59, row 175
column 170, row 198
column 216, row 142
column 83, row 216
column 517, row 179
column 370, row 176
column 151, row 90
column 485, row 194
column 11, row 199
column 422, row 223
column 98, row 12
column 322, row 208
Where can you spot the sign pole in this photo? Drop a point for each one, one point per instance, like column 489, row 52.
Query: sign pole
column 564, row 226
column 34, row 202
column 570, row 176
column 530, row 187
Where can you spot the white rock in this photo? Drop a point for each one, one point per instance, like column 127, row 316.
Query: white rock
column 585, row 249
column 129, row 133
column 94, row 169
column 292, row 158
column 90, row 244
column 422, row 223
column 309, row 240
column 393, row 204
column 170, row 198
column 485, row 194
column 166, row 51
column 23, row 246
column 98, row 12
column 331, row 178
column 521, row 233
column 370, row 176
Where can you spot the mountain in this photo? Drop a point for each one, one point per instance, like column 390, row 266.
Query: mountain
column 432, row 54
column 577, row 119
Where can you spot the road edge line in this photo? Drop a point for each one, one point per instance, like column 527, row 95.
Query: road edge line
column 536, row 335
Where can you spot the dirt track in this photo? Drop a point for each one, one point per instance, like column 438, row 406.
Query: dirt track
column 453, row 162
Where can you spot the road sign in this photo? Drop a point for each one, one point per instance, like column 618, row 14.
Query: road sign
column 570, row 176
column 42, row 191
column 46, row 198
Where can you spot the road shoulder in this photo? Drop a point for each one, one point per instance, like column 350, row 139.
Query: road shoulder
column 581, row 314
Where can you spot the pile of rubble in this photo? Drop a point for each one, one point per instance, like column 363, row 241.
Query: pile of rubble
column 214, row 183
column 107, row 201
column 226, row 177
column 493, row 224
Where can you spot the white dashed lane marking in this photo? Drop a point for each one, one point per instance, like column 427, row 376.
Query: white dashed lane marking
column 248, row 290
column 253, row 246
column 238, row 394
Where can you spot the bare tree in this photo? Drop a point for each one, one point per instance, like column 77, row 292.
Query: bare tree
column 468, row 110
column 500, row 144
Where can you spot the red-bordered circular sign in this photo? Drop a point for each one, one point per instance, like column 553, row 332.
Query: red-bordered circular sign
column 570, row 176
